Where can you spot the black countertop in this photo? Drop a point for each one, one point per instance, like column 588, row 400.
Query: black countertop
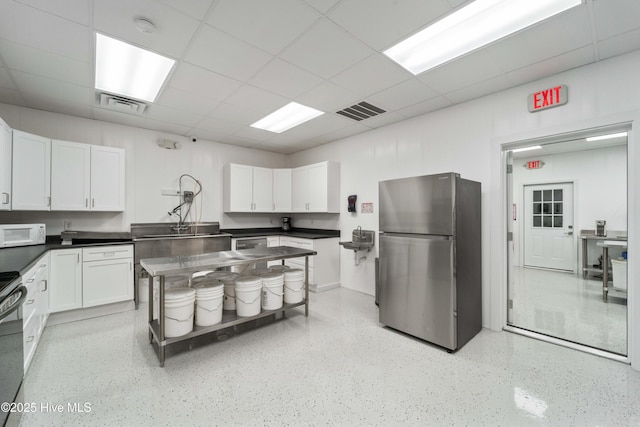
column 19, row 259
column 303, row 233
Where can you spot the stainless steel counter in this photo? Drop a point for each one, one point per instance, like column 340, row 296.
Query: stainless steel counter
column 612, row 239
column 211, row 261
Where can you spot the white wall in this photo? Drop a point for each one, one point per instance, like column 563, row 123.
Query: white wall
column 149, row 169
column 468, row 139
column 600, row 190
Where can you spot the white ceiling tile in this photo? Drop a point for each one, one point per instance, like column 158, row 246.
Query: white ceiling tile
column 325, row 50
column 32, row 27
column 119, row 118
column 371, row 75
column 34, row 87
column 201, row 82
column 382, row 120
column 270, row 25
column 173, row 115
column 558, row 64
column 381, row 24
column 285, row 79
column 224, row 54
column 169, row 127
column 5, row 79
column 75, row 10
column 328, row 96
column 195, row 8
column 457, row 3
column 218, row 126
column 563, row 33
column 253, row 134
column 345, row 132
column 173, row 32
column 613, row 17
column 257, row 100
column 619, row 45
column 234, row 114
column 329, row 122
column 179, row 99
column 456, row 74
column 322, row 5
column 486, row 87
column 61, row 107
column 406, row 93
column 31, row 60
column 425, row 107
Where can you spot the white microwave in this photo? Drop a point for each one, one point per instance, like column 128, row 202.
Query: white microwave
column 22, row 235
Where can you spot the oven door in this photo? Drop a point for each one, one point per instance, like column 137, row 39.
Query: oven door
column 11, row 347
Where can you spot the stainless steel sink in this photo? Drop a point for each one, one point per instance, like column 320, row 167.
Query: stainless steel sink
column 361, row 240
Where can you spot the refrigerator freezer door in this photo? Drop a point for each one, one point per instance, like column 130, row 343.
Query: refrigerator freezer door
column 417, row 287
column 420, row 205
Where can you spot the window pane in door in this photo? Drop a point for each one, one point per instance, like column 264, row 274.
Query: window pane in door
column 557, row 221
column 557, row 195
column 546, row 208
column 537, row 221
column 546, row 195
column 537, row 208
column 537, row 196
column 557, row 208
column 547, row 221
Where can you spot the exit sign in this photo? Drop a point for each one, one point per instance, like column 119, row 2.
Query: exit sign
column 534, row 164
column 548, row 98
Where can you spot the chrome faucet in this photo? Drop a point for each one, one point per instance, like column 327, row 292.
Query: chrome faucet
column 359, row 231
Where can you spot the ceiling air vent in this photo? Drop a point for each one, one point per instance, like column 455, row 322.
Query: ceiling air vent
column 122, row 104
column 361, row 111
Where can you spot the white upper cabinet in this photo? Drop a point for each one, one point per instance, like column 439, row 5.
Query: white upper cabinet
column 70, row 176
column 86, row 177
column 107, row 178
column 247, row 189
column 31, row 172
column 282, row 190
column 5, row 166
column 316, row 188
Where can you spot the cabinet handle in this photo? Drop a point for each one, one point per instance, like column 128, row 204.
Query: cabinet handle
column 5, row 198
column 30, row 280
column 46, row 285
column 78, row 255
column 86, row 202
column 29, row 301
column 108, row 253
column 93, row 203
column 130, row 266
column 30, row 338
column 49, row 201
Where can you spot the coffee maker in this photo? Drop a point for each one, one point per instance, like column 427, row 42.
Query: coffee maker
column 286, row 223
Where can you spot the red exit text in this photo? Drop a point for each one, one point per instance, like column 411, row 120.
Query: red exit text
column 548, row 98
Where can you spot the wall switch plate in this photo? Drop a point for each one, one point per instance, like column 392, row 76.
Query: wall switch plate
column 67, row 225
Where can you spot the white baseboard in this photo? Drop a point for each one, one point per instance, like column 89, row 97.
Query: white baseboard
column 88, row 313
column 324, row 287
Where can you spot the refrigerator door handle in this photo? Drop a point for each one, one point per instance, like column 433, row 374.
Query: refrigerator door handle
column 415, row 236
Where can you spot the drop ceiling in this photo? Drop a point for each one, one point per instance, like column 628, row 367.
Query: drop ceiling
column 238, row 61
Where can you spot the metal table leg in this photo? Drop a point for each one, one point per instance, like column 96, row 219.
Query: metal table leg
column 150, row 307
column 306, row 286
column 585, row 258
column 161, row 338
column 605, row 273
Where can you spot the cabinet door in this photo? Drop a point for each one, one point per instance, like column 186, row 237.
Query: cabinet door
column 5, row 166
column 42, row 292
column 107, row 178
column 70, row 176
column 299, row 189
column 65, row 284
column 106, row 282
column 31, row 174
column 262, row 190
column 317, row 188
column 282, row 190
column 238, row 188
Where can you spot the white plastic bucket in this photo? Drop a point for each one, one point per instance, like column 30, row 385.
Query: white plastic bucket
column 229, row 281
column 177, row 281
column 619, row 273
column 209, row 299
column 272, row 290
column 279, row 268
column 293, row 286
column 248, row 291
column 178, row 311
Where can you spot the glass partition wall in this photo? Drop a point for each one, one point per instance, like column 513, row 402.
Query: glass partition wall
column 567, row 228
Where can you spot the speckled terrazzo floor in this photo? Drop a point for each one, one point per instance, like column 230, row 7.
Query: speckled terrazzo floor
column 337, row 367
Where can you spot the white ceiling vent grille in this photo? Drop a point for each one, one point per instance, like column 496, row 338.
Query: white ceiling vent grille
column 122, row 104
column 361, row 111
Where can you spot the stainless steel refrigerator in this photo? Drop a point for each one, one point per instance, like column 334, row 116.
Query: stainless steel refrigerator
column 430, row 274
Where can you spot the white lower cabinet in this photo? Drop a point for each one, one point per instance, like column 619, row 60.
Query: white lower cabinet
column 65, row 292
column 107, row 275
column 35, row 310
column 324, row 268
column 82, row 278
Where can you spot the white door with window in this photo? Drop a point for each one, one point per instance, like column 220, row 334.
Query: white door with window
column 548, row 226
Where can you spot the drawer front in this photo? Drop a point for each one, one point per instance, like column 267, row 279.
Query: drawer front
column 102, row 253
column 30, row 304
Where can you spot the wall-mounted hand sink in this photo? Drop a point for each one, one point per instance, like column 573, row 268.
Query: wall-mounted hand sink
column 357, row 246
column 361, row 240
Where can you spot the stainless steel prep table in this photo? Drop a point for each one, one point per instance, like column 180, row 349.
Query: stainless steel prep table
column 612, row 239
column 211, row 261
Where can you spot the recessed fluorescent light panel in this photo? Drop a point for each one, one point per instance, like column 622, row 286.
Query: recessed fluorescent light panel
column 475, row 25
column 610, row 136
column 128, row 70
column 533, row 147
column 291, row 115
